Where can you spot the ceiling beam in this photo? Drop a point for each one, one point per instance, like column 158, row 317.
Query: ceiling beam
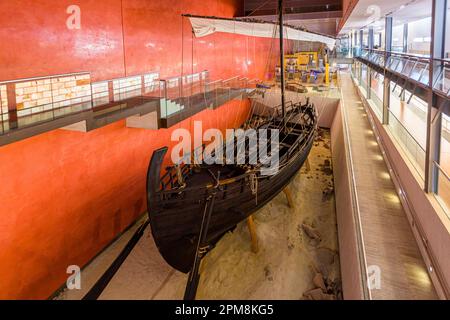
column 262, row 7
column 304, row 16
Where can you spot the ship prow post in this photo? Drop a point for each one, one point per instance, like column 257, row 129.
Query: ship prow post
column 154, row 173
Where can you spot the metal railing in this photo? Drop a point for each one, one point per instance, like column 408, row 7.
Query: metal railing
column 378, row 102
column 53, row 109
column 179, row 97
column 443, row 191
column 413, row 71
column 415, row 67
column 365, row 290
column 413, row 149
column 77, row 98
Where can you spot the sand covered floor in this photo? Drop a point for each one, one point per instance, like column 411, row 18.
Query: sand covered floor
column 298, row 251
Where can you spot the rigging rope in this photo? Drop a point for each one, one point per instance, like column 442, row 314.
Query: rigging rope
column 262, row 5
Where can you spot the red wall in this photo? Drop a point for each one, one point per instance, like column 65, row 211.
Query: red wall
column 65, row 195
column 123, row 37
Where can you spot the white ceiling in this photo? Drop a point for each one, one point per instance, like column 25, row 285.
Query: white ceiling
column 372, row 13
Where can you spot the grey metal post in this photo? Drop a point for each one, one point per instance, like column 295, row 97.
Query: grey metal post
column 351, row 41
column 387, row 81
column 360, row 51
column 369, row 74
column 405, row 50
column 370, row 38
column 434, row 118
column 361, row 38
column 405, row 38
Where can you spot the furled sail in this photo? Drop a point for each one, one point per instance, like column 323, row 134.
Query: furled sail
column 204, row 26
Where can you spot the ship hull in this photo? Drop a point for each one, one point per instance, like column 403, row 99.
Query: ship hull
column 176, row 215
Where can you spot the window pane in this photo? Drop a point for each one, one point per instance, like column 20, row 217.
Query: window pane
column 419, row 36
column 447, row 32
column 397, row 38
column 443, row 182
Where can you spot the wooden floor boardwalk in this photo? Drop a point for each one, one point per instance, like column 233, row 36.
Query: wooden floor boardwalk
column 388, row 240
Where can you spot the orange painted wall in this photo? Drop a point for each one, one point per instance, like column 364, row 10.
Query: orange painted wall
column 123, row 37
column 65, row 195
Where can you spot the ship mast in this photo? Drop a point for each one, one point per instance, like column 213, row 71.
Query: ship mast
column 280, row 18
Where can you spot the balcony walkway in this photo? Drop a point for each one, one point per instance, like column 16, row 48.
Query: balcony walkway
column 388, row 240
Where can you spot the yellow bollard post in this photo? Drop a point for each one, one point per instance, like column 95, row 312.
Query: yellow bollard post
column 327, row 74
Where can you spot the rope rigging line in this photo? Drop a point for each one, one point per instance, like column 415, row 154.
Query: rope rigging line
column 251, row 111
column 262, row 5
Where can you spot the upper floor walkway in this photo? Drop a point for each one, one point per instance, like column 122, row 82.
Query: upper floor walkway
column 33, row 106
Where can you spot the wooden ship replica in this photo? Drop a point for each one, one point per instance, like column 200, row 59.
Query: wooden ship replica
column 190, row 207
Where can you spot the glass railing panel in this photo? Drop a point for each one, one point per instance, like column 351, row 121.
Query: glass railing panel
column 163, row 99
column 51, row 98
column 442, row 80
column 364, row 79
column 2, row 123
column 152, row 85
column 443, row 189
column 446, row 88
column 100, row 93
column 392, row 63
column 409, row 66
column 378, row 59
column 412, row 148
column 420, row 69
column 3, row 108
column 425, row 78
column 173, row 96
column 152, row 89
column 126, row 88
column 389, row 60
column 378, row 103
column 400, row 66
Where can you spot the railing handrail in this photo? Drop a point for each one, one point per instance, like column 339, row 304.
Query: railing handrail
column 45, row 77
column 355, row 204
column 431, row 83
column 442, row 170
column 232, row 78
column 409, row 55
column 214, row 82
column 178, row 77
column 406, row 129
